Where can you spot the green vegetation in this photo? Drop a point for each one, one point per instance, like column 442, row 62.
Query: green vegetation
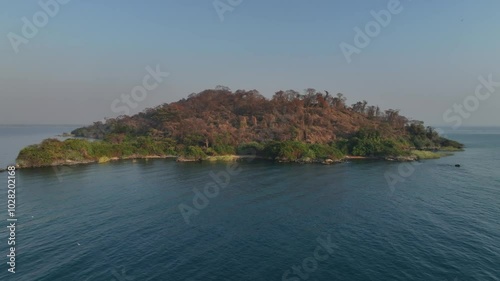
column 224, row 158
column 450, row 149
column 250, row 148
column 424, row 154
column 103, row 159
column 427, row 138
column 309, row 127
column 294, row 150
column 193, row 152
column 54, row 152
column 371, row 143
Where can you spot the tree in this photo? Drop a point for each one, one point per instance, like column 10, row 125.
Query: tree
column 340, row 100
column 222, row 88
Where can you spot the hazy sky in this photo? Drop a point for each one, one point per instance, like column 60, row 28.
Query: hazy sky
column 426, row 59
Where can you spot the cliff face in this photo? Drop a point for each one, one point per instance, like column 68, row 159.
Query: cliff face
column 215, row 117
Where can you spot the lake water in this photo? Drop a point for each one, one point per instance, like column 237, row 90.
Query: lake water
column 14, row 137
column 121, row 220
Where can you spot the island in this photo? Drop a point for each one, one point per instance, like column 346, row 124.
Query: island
column 219, row 124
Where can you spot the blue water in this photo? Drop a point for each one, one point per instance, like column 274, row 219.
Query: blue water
column 121, row 221
column 14, row 137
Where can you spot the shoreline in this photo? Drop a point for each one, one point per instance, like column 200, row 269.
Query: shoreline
column 101, row 160
column 104, row 160
column 233, row 158
column 221, row 158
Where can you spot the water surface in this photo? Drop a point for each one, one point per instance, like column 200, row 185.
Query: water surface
column 121, row 220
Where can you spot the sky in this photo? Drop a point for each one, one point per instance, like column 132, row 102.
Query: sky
column 88, row 54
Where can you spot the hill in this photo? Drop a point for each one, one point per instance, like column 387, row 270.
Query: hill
column 290, row 126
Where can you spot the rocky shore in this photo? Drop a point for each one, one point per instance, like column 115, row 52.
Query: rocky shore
column 94, row 161
column 224, row 158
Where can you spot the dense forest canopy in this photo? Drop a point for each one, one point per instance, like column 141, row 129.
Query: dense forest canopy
column 290, row 125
